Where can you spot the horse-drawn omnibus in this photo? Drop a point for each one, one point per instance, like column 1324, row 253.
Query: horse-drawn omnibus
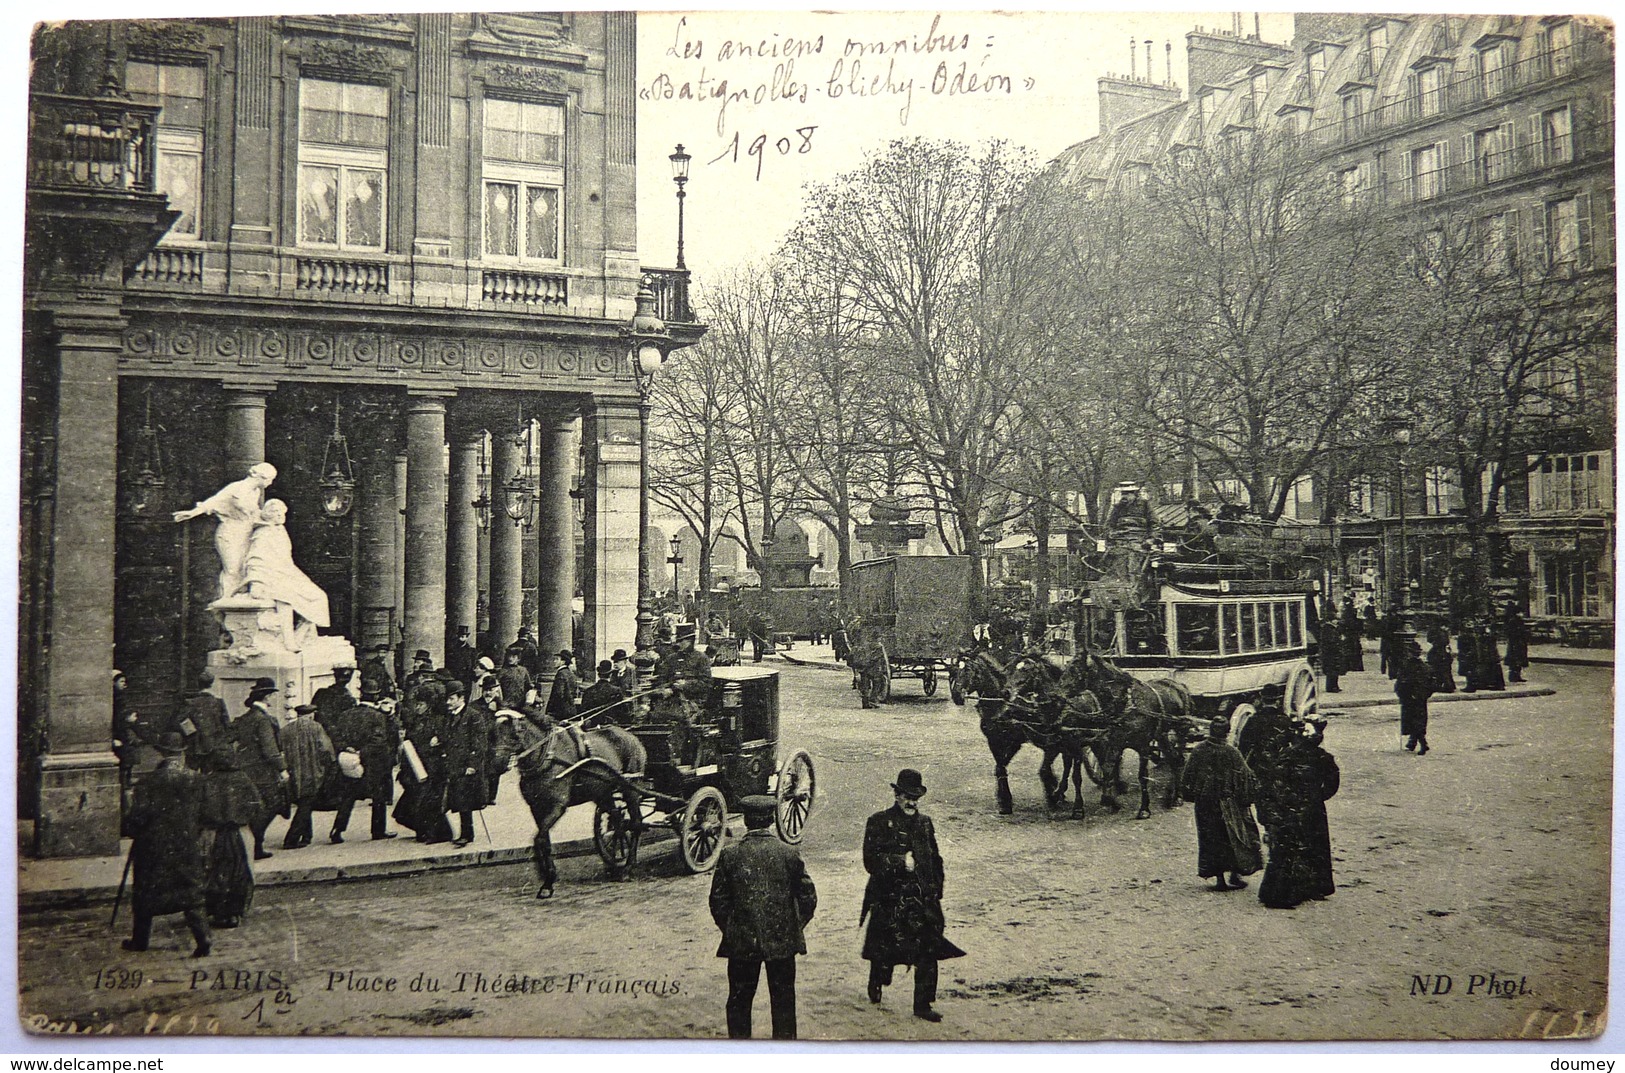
column 918, row 609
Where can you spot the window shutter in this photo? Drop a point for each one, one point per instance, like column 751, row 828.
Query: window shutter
column 1603, row 206
column 1582, row 218
column 1510, row 223
column 1531, row 138
column 1537, row 230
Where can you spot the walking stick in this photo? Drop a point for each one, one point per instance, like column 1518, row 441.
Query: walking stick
column 481, row 814
column 129, row 859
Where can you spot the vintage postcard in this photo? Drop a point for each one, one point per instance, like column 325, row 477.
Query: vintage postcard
column 845, row 525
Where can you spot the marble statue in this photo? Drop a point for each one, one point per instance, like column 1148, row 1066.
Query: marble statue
column 269, row 574
column 237, row 510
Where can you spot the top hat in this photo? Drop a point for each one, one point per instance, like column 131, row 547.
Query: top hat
column 170, row 743
column 759, row 810
column 422, row 654
column 605, row 668
column 620, row 654
column 686, row 631
column 566, row 655
column 910, row 783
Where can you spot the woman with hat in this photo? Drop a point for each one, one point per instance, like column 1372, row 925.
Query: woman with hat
column 255, row 732
column 903, row 900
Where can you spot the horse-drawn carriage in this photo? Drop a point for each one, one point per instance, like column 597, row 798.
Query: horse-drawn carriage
column 917, row 609
column 692, row 774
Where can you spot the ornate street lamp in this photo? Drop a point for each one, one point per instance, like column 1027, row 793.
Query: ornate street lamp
column 676, row 561
column 679, row 175
column 147, row 487
column 518, row 494
column 482, row 505
column 1402, row 439
column 648, row 343
column 338, row 475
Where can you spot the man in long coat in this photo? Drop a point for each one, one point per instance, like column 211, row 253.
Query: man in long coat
column 311, row 763
column 761, row 899
column 255, row 732
column 1413, row 684
column 1352, row 629
column 423, row 803
column 468, row 752
column 229, row 802
column 606, row 698
column 1332, row 654
column 903, row 900
column 333, row 700
column 1517, row 631
column 1220, row 784
column 166, row 864
column 366, row 730
column 1438, row 659
column 514, row 678
column 561, row 702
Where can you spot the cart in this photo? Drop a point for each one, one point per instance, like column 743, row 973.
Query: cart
column 919, row 609
column 734, row 755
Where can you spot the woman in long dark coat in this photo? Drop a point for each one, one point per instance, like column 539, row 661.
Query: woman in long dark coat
column 167, row 867
column 1413, row 684
column 422, row 806
column 1218, row 782
column 1444, row 680
column 1517, row 632
column 229, row 802
column 1353, row 630
column 1296, row 779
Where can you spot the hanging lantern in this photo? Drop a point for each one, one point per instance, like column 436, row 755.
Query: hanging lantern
column 482, row 505
column 517, row 499
column 338, row 475
column 147, row 486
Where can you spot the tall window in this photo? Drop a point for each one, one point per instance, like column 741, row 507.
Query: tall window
column 1317, row 70
column 1260, row 86
column 1349, row 186
column 1430, row 90
column 1362, row 496
column 343, row 164
column 1560, row 48
column 1376, row 44
column 1556, row 136
column 1426, row 178
column 1441, row 490
column 1571, row 482
column 1492, row 153
column 1492, row 70
column 524, row 181
column 1565, row 227
column 178, row 90
column 1496, row 238
column 1353, row 112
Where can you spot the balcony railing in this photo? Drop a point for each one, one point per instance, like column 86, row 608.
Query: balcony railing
column 1464, row 91
column 91, row 144
column 181, row 267
column 670, row 287
column 1585, row 143
column 333, row 275
column 525, row 288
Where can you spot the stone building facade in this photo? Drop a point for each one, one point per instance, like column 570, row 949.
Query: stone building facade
column 250, row 236
column 1506, row 120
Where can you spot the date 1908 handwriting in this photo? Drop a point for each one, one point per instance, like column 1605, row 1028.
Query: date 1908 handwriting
column 759, row 148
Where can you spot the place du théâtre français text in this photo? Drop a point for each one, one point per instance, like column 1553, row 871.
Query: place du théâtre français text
column 767, row 95
column 237, row 1001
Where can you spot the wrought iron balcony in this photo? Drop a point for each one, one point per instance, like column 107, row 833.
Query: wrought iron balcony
column 670, row 287
column 85, row 143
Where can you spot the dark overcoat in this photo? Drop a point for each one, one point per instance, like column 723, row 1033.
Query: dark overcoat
column 1517, row 631
column 1413, row 684
column 1353, row 629
column 331, row 702
column 761, row 898
column 229, row 797
column 256, row 734
column 515, row 683
column 904, row 908
column 468, row 745
column 309, row 753
column 1333, row 658
column 1220, row 784
column 365, row 728
column 605, row 698
column 166, row 857
column 561, row 702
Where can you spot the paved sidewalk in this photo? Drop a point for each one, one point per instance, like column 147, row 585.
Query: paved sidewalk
column 504, row 837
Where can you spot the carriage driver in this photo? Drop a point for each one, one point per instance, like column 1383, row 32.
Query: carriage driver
column 682, row 686
column 1131, row 517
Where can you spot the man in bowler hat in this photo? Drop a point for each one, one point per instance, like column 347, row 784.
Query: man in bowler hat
column 903, row 901
column 761, row 899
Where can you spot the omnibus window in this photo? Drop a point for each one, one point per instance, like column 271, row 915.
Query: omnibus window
column 1249, row 627
column 1196, row 627
column 1294, row 621
column 1232, row 642
column 1147, row 630
column 1283, row 636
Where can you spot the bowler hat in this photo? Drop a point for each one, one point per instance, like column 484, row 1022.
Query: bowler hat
column 605, row 668
column 371, row 685
column 759, row 810
column 343, row 668
column 455, row 688
column 619, row 654
column 566, row 655
column 910, row 783
column 264, row 683
column 260, row 693
column 171, row 743
column 380, row 647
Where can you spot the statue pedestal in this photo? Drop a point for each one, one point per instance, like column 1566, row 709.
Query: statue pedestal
column 266, row 644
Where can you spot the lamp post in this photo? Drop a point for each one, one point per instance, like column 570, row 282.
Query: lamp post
column 676, row 560
column 679, row 175
column 1402, row 439
column 989, row 541
column 649, row 342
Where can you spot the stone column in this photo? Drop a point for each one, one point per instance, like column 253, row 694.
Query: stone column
column 79, row 794
column 555, row 533
column 379, row 550
column 610, row 567
column 425, row 612
column 245, row 429
column 507, row 563
column 462, row 535
column 400, row 559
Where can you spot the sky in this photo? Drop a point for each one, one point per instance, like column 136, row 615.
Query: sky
column 806, row 94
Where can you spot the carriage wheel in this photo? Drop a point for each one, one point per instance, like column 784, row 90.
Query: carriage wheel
column 615, row 833
column 797, row 792
column 1239, row 715
column 928, row 682
column 885, row 675
column 699, row 836
column 1302, row 694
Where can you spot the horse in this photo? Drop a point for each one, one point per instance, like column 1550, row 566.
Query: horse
column 566, row 766
column 1012, row 719
column 1148, row 717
